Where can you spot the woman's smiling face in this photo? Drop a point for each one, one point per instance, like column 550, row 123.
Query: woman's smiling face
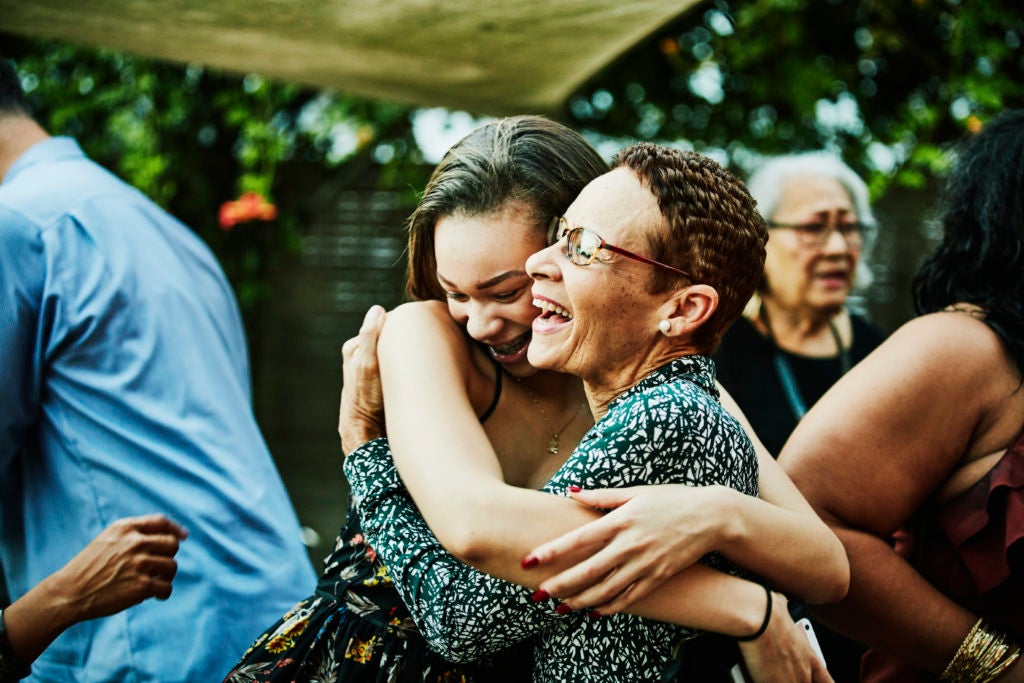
column 481, row 266
column 599, row 319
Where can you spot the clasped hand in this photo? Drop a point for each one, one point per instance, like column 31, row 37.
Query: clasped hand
column 650, row 534
column 361, row 413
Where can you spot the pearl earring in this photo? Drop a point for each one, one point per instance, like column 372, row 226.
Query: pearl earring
column 664, row 326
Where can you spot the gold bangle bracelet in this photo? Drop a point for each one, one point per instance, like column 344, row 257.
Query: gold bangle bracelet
column 983, row 655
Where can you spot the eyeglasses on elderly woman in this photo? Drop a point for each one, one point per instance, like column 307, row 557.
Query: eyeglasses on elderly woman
column 583, row 244
column 816, row 235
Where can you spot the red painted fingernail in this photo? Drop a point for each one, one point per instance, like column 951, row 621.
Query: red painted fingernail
column 594, row 614
column 529, row 561
column 563, row 608
column 540, row 595
column 574, row 489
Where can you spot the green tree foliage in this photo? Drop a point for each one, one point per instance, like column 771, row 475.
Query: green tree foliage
column 887, row 84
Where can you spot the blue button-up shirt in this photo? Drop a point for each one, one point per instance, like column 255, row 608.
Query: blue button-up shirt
column 124, row 390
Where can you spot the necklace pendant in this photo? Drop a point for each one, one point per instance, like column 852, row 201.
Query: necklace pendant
column 553, row 445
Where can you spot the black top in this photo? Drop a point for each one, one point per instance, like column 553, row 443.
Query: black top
column 746, row 368
column 499, row 370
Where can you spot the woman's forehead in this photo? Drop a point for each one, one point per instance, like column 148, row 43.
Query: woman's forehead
column 813, row 194
column 475, row 250
column 614, row 204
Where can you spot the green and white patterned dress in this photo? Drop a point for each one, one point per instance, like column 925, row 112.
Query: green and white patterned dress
column 668, row 428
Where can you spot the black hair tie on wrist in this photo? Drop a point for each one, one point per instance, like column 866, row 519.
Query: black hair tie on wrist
column 764, row 624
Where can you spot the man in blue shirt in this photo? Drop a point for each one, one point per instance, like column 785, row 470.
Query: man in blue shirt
column 124, row 390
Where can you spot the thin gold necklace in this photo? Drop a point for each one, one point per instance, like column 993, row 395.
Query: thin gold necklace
column 553, row 441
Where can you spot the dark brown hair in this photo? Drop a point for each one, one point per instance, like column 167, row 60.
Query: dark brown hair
column 981, row 257
column 530, row 159
column 711, row 229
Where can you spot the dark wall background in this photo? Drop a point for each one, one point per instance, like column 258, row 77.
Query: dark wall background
column 351, row 257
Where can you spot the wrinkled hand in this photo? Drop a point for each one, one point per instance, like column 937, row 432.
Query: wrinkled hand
column 129, row 561
column 361, row 415
column 783, row 653
column 653, row 533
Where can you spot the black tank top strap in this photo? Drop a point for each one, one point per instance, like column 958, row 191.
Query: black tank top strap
column 499, row 371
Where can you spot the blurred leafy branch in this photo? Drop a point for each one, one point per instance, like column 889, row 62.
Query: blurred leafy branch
column 889, row 85
column 204, row 143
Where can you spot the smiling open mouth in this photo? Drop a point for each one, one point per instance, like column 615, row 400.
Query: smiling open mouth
column 552, row 311
column 505, row 352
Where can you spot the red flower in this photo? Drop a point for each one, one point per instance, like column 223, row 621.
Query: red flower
column 250, row 206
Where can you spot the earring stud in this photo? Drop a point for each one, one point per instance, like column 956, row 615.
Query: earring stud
column 664, row 326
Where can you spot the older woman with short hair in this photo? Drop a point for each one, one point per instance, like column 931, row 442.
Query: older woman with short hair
column 646, row 270
column 797, row 336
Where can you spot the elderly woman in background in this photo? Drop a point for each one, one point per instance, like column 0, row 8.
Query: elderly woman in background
column 927, row 435
column 797, row 337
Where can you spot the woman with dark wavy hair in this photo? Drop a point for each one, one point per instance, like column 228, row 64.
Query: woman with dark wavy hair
column 924, row 440
column 981, row 258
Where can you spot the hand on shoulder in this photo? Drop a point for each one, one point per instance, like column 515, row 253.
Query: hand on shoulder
column 361, row 410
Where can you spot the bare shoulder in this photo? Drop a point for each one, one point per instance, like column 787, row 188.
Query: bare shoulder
column 424, row 333
column 944, row 354
column 957, row 343
column 939, row 392
column 423, row 340
column 420, row 312
column 949, row 332
column 423, row 321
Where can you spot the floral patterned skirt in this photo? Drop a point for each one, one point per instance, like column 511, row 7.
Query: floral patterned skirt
column 356, row 629
column 321, row 640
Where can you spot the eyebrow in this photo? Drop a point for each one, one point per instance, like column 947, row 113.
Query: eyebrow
column 486, row 284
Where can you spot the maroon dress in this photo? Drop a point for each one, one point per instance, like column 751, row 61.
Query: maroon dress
column 972, row 549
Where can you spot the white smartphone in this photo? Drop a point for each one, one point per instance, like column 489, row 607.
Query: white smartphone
column 805, row 624
column 738, row 674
